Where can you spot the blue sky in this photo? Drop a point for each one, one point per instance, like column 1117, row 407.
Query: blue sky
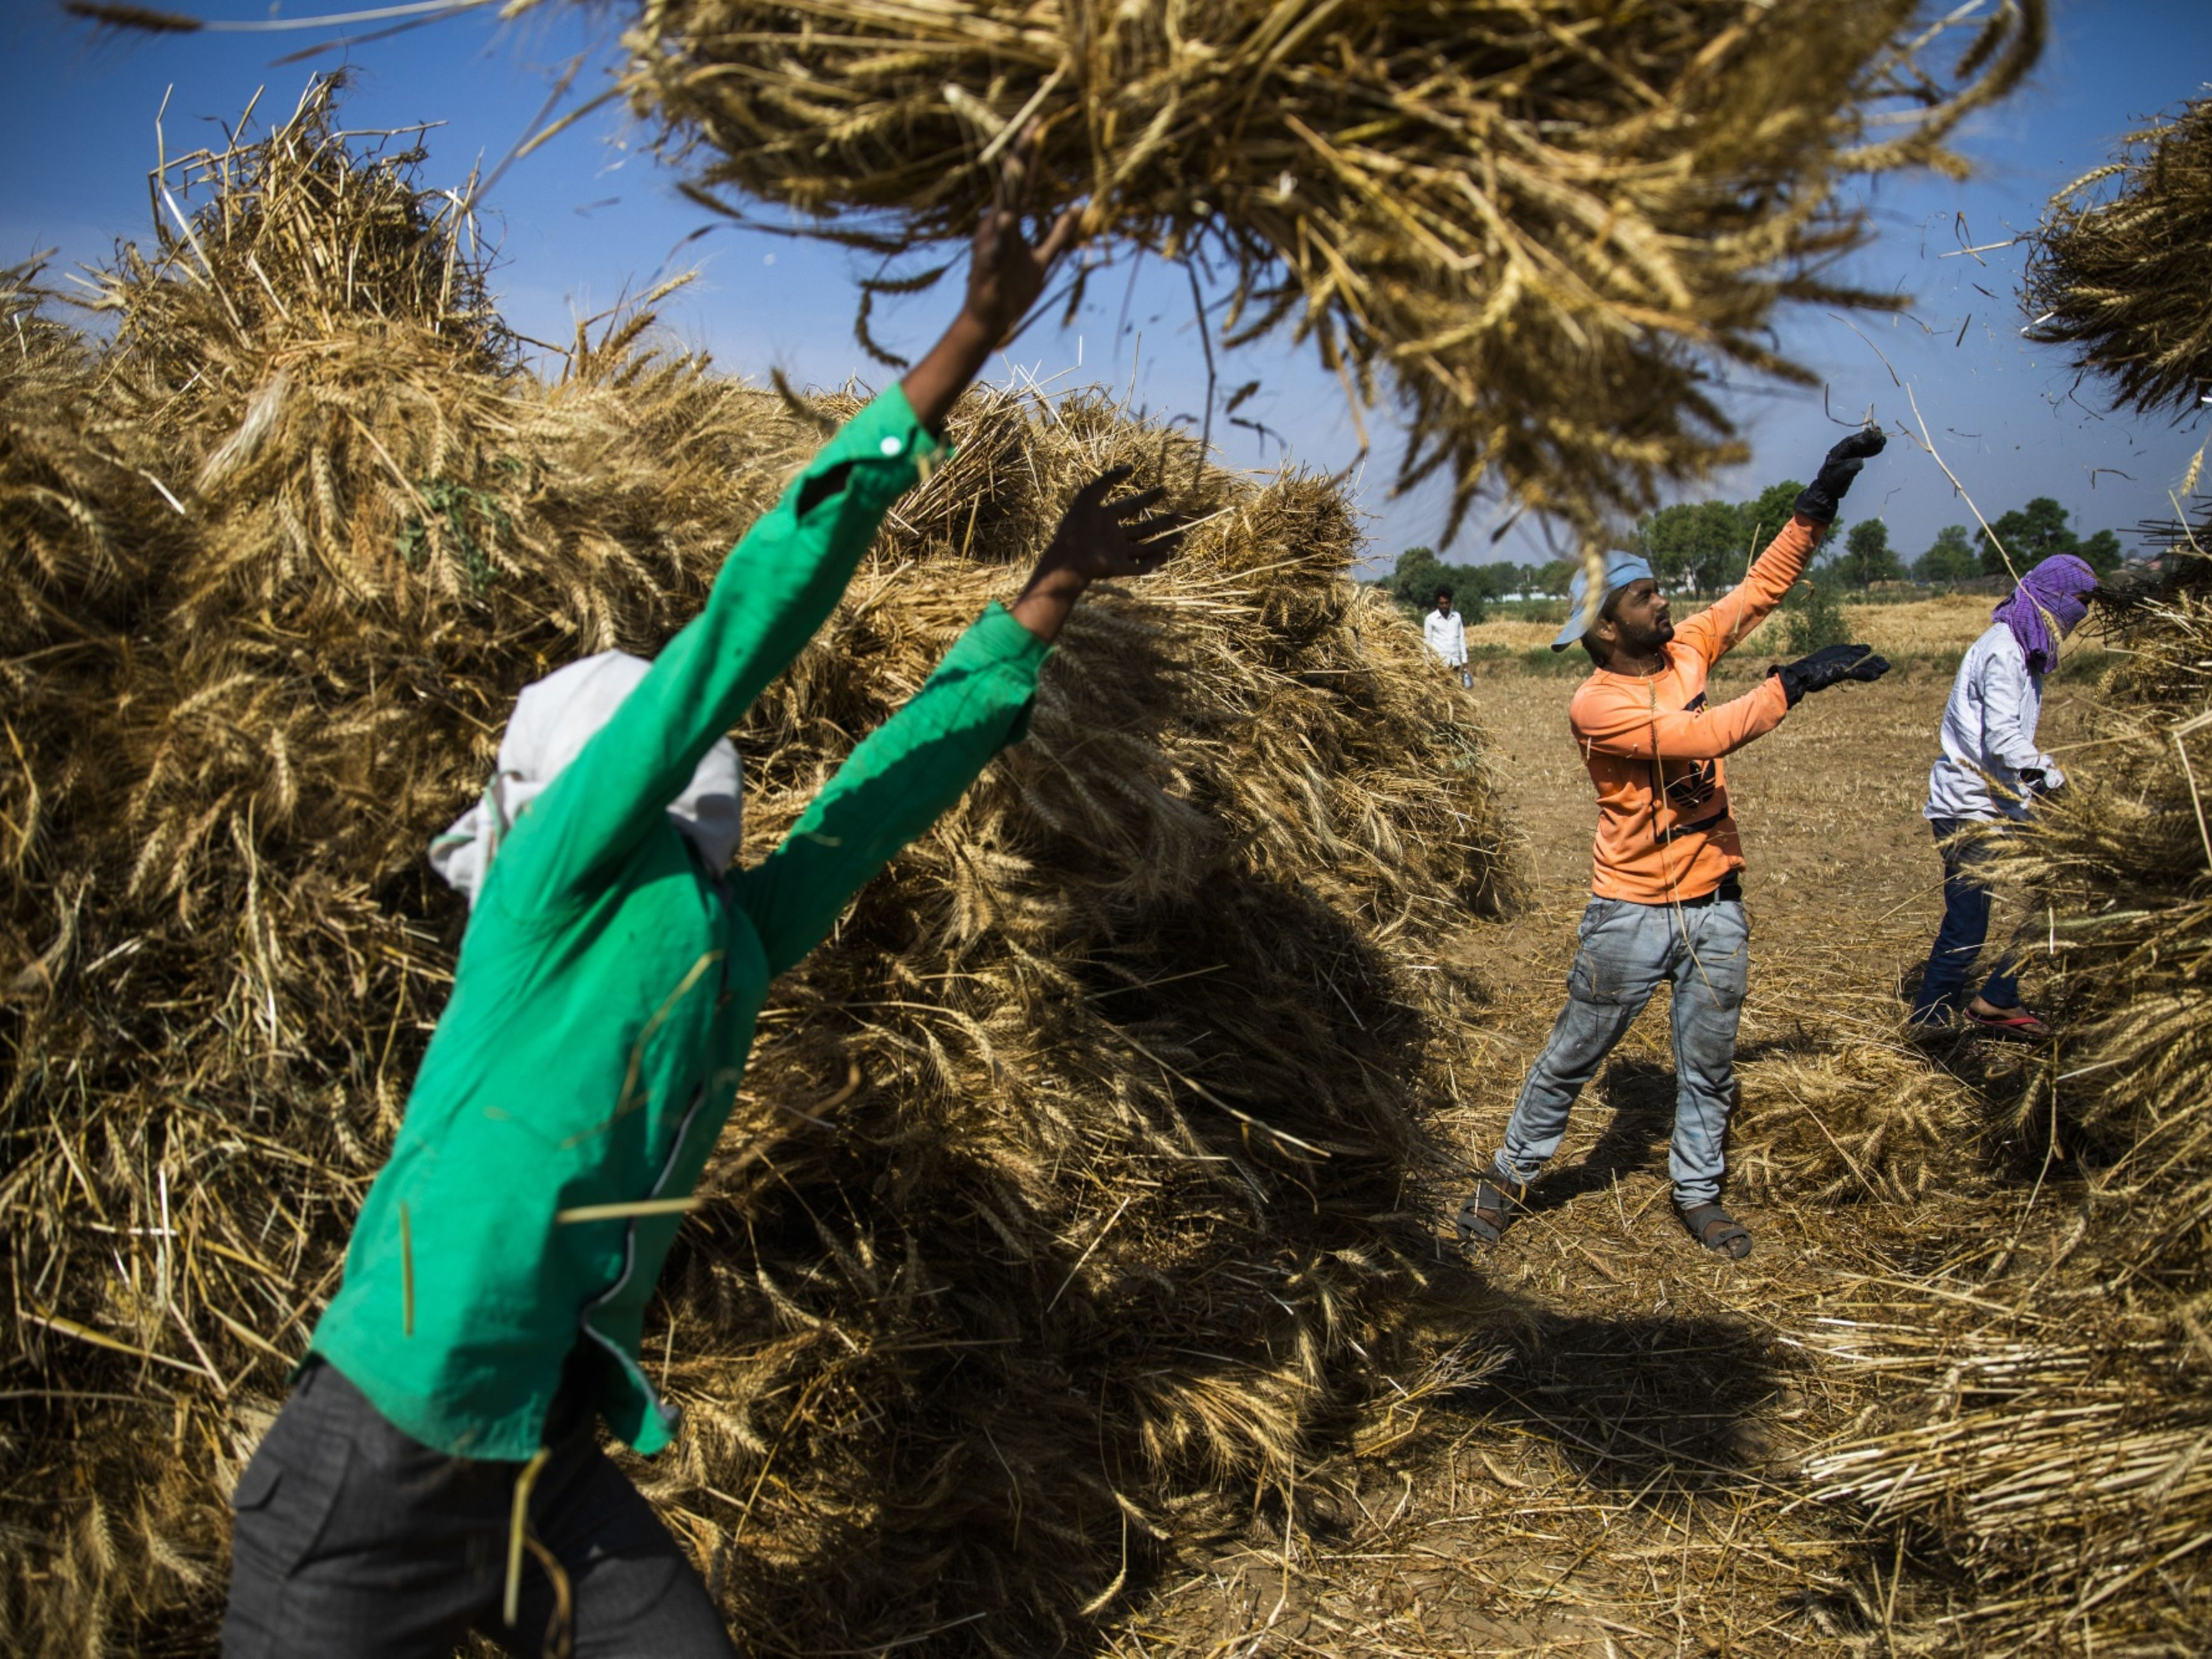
column 593, row 216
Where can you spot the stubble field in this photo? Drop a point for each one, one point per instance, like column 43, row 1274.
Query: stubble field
column 1627, row 1473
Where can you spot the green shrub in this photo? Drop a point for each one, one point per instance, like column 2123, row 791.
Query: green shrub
column 1815, row 616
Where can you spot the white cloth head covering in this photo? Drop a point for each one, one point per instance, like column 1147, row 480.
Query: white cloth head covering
column 553, row 719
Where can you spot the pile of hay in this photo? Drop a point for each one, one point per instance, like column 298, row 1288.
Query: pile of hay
column 1863, row 1120
column 1547, row 226
column 1073, row 1181
column 2056, row 1439
column 2117, row 276
column 2062, row 1446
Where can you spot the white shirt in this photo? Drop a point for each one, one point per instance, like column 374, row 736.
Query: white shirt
column 1447, row 636
column 1989, row 733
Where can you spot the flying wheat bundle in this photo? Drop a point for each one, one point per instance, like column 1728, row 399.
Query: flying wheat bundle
column 1545, row 229
column 1543, row 226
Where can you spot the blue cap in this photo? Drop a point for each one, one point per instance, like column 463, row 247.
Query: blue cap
column 1620, row 570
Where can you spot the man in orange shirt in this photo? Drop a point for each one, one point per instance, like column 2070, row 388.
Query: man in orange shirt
column 1666, row 900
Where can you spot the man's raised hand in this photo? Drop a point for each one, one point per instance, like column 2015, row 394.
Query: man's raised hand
column 1823, row 498
column 1099, row 537
column 1102, row 537
column 1006, row 274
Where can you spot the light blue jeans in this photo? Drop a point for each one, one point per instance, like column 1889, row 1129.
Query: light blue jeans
column 1625, row 950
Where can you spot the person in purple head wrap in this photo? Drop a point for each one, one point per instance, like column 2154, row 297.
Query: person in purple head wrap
column 2048, row 605
column 1991, row 771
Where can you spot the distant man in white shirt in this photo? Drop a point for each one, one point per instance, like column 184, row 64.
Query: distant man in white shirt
column 1446, row 635
column 1991, row 770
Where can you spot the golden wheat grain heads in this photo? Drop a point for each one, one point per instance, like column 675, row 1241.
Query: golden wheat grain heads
column 1865, row 1121
column 76, row 510
column 1544, row 228
column 291, row 234
column 2116, row 273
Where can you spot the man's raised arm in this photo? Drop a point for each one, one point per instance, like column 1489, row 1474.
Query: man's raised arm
column 779, row 585
column 1718, row 629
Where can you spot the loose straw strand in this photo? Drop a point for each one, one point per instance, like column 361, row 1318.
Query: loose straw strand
column 518, row 1533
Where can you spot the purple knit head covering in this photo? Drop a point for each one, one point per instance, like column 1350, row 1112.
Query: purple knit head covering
column 2055, row 594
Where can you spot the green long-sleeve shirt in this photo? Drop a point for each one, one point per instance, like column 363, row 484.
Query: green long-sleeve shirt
column 608, row 983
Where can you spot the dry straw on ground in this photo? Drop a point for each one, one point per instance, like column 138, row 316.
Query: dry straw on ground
column 1544, row 226
column 1068, row 1178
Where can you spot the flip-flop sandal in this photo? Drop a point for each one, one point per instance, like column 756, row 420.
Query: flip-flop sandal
column 2010, row 1022
column 1718, row 1230
column 1482, row 1219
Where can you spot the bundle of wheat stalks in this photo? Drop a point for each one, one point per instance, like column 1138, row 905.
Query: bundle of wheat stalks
column 1858, row 1120
column 2056, row 1440
column 1544, row 226
column 2116, row 273
column 1068, row 1178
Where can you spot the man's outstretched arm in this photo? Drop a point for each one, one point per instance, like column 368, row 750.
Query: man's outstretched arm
column 1005, row 277
column 1718, row 629
column 775, row 589
column 1620, row 716
column 1621, row 719
column 914, row 766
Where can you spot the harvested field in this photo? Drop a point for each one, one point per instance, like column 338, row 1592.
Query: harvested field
column 1072, row 1278
column 1618, row 1466
column 1942, row 626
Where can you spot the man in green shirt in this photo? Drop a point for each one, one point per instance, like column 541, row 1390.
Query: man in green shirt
column 436, row 1469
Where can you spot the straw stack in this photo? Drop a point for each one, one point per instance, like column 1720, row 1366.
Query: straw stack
column 1861, row 1120
column 1071, row 1180
column 2117, row 275
column 2058, row 1445
column 1544, row 228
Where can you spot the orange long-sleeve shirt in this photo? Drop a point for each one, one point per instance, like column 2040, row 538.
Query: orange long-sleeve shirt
column 1654, row 748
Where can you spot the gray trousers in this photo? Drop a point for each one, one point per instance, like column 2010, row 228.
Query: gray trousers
column 1625, row 950
column 353, row 1541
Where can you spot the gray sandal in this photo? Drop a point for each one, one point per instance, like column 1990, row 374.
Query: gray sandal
column 1717, row 1230
column 1483, row 1217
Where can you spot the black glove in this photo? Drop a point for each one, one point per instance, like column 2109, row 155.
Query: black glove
column 1823, row 498
column 1830, row 665
column 2036, row 785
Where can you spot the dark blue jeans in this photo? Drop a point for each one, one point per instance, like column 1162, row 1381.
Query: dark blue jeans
column 1965, row 928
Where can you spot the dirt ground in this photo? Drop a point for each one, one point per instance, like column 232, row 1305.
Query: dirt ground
column 1622, row 1473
